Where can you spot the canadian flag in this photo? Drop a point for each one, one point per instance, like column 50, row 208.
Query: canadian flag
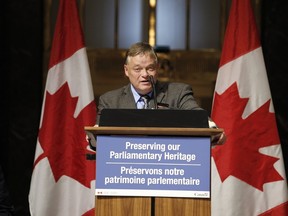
column 63, row 179
column 248, row 175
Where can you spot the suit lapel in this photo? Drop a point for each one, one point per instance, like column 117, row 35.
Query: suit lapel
column 127, row 99
column 161, row 92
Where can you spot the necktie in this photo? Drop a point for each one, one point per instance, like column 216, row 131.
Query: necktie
column 145, row 99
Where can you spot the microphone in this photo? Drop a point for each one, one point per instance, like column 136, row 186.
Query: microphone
column 151, row 80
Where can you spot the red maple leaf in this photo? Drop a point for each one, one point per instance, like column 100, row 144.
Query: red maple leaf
column 240, row 156
column 62, row 137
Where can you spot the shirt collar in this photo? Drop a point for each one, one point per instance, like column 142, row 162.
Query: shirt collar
column 136, row 95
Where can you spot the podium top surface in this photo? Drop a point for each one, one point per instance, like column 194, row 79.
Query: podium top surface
column 101, row 130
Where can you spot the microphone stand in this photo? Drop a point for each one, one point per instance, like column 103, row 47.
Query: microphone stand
column 154, row 91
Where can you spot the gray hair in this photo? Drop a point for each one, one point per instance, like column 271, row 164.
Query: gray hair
column 141, row 48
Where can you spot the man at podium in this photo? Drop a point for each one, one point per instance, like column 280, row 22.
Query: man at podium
column 146, row 92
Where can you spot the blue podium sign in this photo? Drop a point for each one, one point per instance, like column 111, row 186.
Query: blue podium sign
column 157, row 166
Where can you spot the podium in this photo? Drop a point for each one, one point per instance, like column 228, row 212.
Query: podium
column 152, row 205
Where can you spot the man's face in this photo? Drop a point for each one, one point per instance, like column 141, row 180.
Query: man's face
column 138, row 69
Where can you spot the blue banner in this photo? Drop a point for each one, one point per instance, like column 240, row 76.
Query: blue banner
column 153, row 166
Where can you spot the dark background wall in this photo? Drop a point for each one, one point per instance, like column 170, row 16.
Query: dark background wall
column 21, row 94
column 275, row 49
column 21, row 27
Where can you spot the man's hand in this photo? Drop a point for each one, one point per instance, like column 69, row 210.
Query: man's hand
column 218, row 139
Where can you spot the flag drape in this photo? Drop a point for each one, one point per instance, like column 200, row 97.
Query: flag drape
column 248, row 175
column 63, row 179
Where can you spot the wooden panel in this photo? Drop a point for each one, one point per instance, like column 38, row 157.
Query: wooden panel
column 123, row 206
column 182, row 206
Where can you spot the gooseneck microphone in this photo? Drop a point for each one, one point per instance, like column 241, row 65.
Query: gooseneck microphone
column 151, row 80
